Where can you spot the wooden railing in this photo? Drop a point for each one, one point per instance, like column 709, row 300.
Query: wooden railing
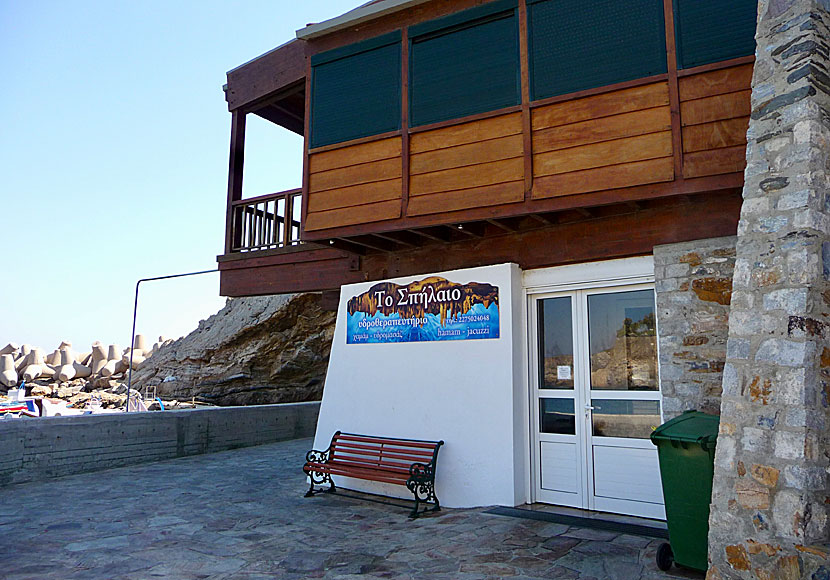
column 266, row 222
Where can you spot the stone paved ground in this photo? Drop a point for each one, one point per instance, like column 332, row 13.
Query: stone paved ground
column 241, row 514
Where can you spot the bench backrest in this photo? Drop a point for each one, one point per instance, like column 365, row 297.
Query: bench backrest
column 364, row 451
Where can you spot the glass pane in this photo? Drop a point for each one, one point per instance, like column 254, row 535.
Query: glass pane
column 556, row 349
column 557, row 416
column 623, row 341
column 633, row 419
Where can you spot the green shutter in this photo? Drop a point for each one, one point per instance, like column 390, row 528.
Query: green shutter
column 460, row 67
column 714, row 30
column 356, row 91
column 582, row 44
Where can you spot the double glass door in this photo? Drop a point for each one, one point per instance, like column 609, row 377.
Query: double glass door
column 596, row 400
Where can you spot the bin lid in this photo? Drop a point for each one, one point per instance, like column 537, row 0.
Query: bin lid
column 690, row 427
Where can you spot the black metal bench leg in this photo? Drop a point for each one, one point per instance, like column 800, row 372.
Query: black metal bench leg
column 311, row 491
column 415, row 513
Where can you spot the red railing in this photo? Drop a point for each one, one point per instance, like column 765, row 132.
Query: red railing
column 266, row 222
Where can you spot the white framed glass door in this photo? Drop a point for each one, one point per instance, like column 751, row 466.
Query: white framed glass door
column 595, row 399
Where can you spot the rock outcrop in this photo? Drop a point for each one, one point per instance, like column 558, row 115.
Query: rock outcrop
column 259, row 350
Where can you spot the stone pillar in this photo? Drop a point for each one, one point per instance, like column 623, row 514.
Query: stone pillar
column 769, row 503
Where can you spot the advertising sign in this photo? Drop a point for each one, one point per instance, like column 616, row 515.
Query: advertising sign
column 427, row 310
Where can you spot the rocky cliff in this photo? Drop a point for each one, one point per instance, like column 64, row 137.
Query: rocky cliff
column 269, row 349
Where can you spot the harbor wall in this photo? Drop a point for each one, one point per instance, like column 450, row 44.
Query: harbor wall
column 38, row 449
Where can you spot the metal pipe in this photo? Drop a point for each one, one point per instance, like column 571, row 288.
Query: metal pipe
column 135, row 314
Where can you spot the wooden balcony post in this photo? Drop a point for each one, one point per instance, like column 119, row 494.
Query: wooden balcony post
column 233, row 223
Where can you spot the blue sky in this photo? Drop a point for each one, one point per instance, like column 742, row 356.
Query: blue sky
column 114, row 140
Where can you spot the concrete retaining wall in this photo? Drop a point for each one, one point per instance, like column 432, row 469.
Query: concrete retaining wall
column 37, row 449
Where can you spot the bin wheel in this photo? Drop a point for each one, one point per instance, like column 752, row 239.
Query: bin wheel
column 665, row 557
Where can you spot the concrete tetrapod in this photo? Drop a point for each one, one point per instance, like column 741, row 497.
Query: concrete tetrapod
column 66, row 372
column 10, row 348
column 99, row 358
column 8, row 375
column 81, row 371
column 34, row 365
column 140, row 343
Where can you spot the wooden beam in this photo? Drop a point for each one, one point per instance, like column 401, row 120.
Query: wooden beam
column 282, row 117
column 436, row 234
column 674, row 88
column 347, row 246
column 373, row 243
column 524, row 73
column 615, row 236
column 265, row 75
column 542, row 219
column 404, row 238
column 469, row 229
column 405, row 157
column 233, row 223
column 501, row 225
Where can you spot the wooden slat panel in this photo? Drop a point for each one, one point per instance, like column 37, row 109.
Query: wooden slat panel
column 715, row 108
column 728, row 133
column 718, row 82
column 467, row 177
column 419, row 443
column 373, row 212
column 470, row 154
column 612, row 177
column 377, row 450
column 391, row 466
column 715, row 162
column 355, row 155
column 356, row 174
column 466, row 133
column 605, row 129
column 466, row 198
column 380, row 456
column 370, row 475
column 604, row 105
column 603, row 154
column 354, row 195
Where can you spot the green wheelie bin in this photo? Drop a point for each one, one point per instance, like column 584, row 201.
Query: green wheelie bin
column 686, row 448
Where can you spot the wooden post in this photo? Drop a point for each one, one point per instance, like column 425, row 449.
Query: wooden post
column 237, row 157
column 674, row 90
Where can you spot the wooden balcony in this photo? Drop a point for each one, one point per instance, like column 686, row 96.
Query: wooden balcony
column 604, row 172
column 266, row 222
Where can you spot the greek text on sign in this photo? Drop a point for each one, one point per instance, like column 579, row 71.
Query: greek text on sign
column 427, row 310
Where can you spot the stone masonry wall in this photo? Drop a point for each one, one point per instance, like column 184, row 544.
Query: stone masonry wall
column 48, row 447
column 768, row 517
column 693, row 285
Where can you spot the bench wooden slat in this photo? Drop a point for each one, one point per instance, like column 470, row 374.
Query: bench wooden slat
column 396, row 466
column 396, row 448
column 381, row 454
column 373, row 474
column 402, row 470
column 407, row 442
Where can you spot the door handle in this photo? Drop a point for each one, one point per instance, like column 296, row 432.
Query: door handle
column 589, row 408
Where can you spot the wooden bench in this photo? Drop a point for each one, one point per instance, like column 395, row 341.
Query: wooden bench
column 408, row 462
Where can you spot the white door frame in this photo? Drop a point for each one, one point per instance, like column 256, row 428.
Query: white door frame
column 545, row 281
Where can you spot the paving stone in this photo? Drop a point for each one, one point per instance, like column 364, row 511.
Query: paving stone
column 559, row 546
column 227, row 517
column 591, row 534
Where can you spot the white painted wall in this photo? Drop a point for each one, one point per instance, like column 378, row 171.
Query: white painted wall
column 470, row 393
